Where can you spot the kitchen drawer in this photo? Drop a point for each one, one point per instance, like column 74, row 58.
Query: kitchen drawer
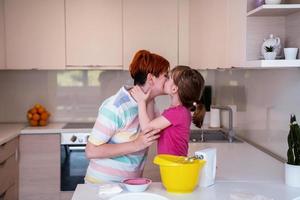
column 7, row 149
column 10, row 194
column 8, row 173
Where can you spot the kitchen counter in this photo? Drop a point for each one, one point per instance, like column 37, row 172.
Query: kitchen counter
column 220, row 191
column 9, row 131
column 50, row 128
column 243, row 162
column 241, row 168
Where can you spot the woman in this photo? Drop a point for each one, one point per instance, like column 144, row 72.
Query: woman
column 116, row 148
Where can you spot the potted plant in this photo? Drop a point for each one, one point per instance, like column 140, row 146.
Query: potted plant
column 270, row 54
column 292, row 167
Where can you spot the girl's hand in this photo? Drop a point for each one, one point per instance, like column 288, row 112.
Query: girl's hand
column 138, row 94
column 146, row 138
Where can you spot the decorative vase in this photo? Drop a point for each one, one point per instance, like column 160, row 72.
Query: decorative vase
column 270, row 55
column 271, row 41
column 292, row 175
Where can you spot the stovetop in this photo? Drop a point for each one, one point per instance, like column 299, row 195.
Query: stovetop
column 83, row 125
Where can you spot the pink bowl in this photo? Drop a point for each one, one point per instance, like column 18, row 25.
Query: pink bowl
column 137, row 184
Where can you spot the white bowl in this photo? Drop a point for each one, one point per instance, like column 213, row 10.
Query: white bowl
column 273, row 1
column 136, row 184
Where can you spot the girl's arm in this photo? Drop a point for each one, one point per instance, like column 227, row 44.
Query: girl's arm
column 144, row 119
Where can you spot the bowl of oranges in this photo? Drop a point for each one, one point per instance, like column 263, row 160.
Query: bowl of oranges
column 38, row 115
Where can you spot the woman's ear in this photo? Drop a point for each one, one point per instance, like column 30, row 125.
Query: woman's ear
column 150, row 79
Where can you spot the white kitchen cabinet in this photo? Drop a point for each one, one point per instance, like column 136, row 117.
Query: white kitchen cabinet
column 217, row 32
column 150, row 25
column 208, row 33
column 94, row 33
column 39, row 167
column 236, row 33
column 151, row 170
column 9, row 170
column 35, row 34
column 2, row 36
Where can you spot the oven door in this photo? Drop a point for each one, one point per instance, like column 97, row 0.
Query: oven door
column 73, row 166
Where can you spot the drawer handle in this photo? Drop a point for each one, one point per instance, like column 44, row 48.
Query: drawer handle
column 2, row 195
column 1, row 165
column 2, row 146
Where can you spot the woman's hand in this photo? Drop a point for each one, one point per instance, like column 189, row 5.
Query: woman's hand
column 138, row 94
column 146, row 138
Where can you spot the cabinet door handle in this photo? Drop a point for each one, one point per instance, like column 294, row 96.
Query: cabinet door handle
column 3, row 145
column 2, row 165
column 2, row 195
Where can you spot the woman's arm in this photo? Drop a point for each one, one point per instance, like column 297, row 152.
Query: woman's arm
column 144, row 140
column 144, row 119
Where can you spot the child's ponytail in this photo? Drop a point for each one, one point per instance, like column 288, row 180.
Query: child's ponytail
column 199, row 113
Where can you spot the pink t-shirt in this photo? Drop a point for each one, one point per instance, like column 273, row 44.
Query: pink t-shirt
column 175, row 138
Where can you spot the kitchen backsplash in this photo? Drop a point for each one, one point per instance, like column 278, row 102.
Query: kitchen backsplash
column 68, row 95
column 264, row 98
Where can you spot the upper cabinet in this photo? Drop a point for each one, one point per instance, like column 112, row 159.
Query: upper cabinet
column 208, row 33
column 35, row 34
column 280, row 20
column 236, row 33
column 150, row 25
column 2, row 36
column 94, row 33
column 217, row 33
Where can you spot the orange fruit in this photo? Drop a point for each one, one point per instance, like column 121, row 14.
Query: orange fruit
column 36, row 117
column 44, row 116
column 33, row 110
column 40, row 110
column 37, row 105
column 43, row 123
column 29, row 115
column 33, row 123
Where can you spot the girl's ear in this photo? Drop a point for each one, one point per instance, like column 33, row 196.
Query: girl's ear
column 150, row 79
column 174, row 89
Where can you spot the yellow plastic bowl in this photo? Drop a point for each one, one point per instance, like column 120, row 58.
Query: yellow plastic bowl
column 177, row 174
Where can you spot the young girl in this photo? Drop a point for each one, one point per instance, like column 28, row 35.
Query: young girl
column 185, row 87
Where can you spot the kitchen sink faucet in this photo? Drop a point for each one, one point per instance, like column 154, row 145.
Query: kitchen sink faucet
column 229, row 131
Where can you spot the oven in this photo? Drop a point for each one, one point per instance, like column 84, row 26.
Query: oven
column 73, row 160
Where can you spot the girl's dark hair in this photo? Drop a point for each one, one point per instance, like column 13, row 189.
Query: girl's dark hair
column 145, row 62
column 190, row 85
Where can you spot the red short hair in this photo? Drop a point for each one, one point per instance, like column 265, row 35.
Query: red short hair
column 145, row 62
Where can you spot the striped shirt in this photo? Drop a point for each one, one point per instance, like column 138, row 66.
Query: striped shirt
column 117, row 122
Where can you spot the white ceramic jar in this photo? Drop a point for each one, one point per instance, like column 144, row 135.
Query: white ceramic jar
column 290, row 53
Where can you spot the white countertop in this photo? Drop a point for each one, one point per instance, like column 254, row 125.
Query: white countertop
column 50, row 128
column 243, row 162
column 220, row 191
column 9, row 131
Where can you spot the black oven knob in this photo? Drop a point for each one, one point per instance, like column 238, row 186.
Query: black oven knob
column 73, row 138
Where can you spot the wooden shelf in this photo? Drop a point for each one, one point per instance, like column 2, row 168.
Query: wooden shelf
column 274, row 10
column 273, row 63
